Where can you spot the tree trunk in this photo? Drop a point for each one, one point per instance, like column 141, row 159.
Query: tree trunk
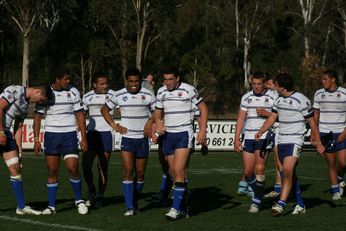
column 246, row 63
column 25, row 68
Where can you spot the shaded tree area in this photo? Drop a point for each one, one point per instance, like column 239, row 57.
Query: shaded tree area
column 215, row 43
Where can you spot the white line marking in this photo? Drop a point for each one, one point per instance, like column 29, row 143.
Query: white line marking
column 46, row 224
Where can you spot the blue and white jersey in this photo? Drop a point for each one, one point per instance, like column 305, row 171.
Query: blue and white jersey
column 332, row 107
column 275, row 127
column 178, row 106
column 60, row 112
column 18, row 106
column 249, row 103
column 135, row 109
column 292, row 112
column 92, row 103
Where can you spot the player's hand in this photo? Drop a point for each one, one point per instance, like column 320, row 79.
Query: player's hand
column 258, row 136
column 84, row 145
column 122, row 130
column 154, row 138
column 37, row 148
column 341, row 137
column 148, row 129
column 201, row 138
column 320, row 149
column 261, row 111
column 160, row 128
column 3, row 139
column 313, row 140
column 237, row 145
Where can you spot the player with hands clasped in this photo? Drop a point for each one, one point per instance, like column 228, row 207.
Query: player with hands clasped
column 293, row 110
column 255, row 107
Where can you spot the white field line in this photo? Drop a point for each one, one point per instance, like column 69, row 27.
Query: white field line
column 40, row 223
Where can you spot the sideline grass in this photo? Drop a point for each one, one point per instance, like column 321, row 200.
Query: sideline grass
column 214, row 204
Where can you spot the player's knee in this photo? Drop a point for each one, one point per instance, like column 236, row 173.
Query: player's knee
column 259, row 169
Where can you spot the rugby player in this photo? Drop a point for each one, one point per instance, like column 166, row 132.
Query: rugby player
column 330, row 112
column 255, row 107
column 63, row 115
column 14, row 106
column 175, row 103
column 293, row 109
column 100, row 138
column 135, row 105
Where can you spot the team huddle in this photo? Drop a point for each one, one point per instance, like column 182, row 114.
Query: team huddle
column 271, row 116
column 166, row 119
column 274, row 116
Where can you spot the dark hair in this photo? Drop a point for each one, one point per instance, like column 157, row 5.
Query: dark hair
column 332, row 74
column 97, row 75
column 59, row 72
column 285, row 80
column 46, row 90
column 170, row 70
column 132, row 71
column 264, row 76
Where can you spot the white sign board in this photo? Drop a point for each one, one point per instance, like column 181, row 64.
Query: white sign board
column 220, row 135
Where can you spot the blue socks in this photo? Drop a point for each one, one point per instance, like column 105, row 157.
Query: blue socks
column 179, row 191
column 128, row 193
column 77, row 188
column 52, row 191
column 17, row 187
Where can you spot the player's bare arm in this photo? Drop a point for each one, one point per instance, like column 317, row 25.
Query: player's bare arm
column 107, row 116
column 159, row 125
column 37, row 127
column 202, row 121
column 267, row 124
column 3, row 105
column 238, row 130
column 314, row 130
column 80, row 116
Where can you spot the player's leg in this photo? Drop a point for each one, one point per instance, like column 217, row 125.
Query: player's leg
column 278, row 169
column 332, row 173
column 289, row 163
column 300, row 206
column 87, row 164
column 128, row 159
column 261, row 157
column 341, row 168
column 12, row 161
column 71, row 159
column 104, row 153
column 166, row 179
column 52, row 163
column 103, row 177
column 180, row 161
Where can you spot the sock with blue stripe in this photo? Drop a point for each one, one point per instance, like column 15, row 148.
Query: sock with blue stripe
column 17, row 187
column 163, row 183
column 335, row 188
column 77, row 188
column 52, row 191
column 179, row 191
column 282, row 203
column 128, row 193
column 298, row 194
column 277, row 188
column 243, row 187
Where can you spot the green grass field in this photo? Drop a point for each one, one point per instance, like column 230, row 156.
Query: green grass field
column 214, row 204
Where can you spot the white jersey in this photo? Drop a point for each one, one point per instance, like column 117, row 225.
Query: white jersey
column 178, row 106
column 249, row 103
column 60, row 112
column 135, row 110
column 332, row 107
column 292, row 112
column 18, row 106
column 275, row 127
column 92, row 103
